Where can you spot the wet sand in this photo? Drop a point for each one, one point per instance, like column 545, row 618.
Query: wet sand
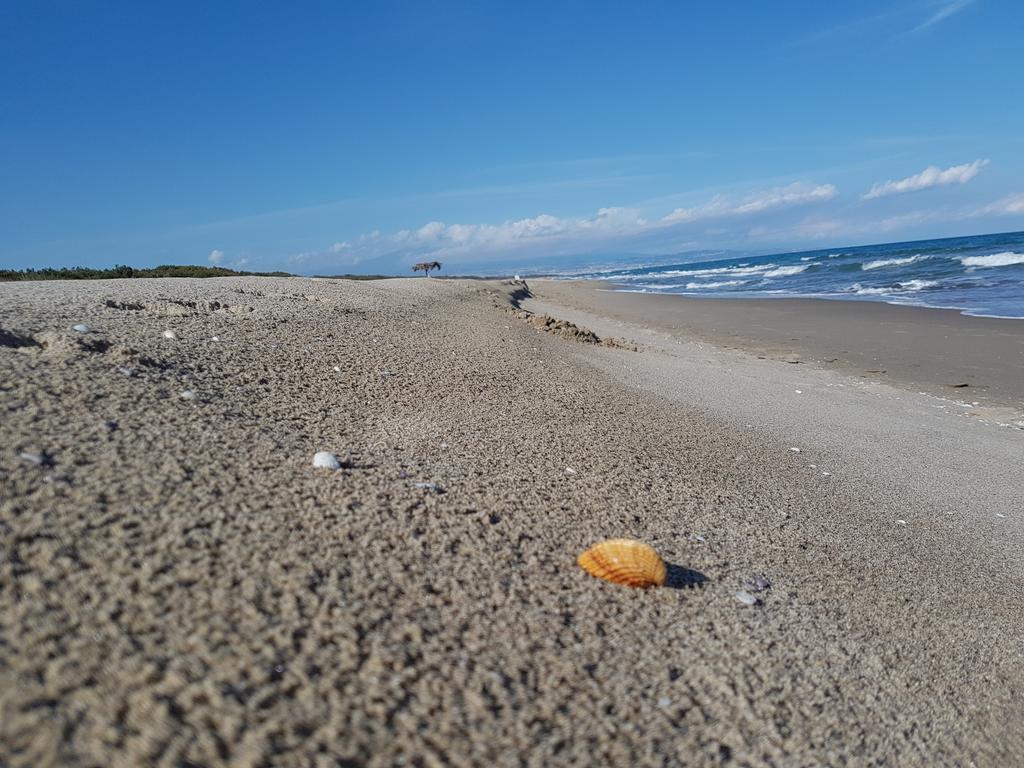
column 937, row 349
column 180, row 586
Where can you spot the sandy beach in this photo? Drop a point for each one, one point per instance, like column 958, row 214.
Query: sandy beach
column 180, row 586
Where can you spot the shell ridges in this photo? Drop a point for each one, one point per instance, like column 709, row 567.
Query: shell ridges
column 624, row 561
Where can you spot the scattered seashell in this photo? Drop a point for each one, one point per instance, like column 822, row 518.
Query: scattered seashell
column 38, row 459
column 215, row 338
column 126, row 371
column 429, row 487
column 570, row 471
column 188, row 394
column 337, row 369
column 697, row 537
column 664, row 702
column 326, row 460
column 901, row 522
column 798, row 391
column 81, row 328
column 624, row 561
column 795, row 450
column 169, row 334
column 746, row 598
column 759, row 583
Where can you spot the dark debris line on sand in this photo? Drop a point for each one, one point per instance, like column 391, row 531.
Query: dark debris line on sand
column 186, row 589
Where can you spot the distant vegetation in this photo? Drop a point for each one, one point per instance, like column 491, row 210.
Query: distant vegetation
column 165, row 270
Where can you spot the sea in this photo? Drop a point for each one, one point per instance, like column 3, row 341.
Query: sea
column 981, row 275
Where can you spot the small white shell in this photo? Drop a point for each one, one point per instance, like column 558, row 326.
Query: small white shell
column 326, row 460
column 188, row 394
column 81, row 328
column 746, row 598
column 169, row 334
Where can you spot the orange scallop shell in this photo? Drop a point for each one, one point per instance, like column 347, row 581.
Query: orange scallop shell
column 624, row 561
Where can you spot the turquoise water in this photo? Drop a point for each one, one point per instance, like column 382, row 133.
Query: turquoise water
column 979, row 275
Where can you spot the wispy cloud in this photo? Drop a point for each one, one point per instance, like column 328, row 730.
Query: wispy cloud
column 216, row 256
column 1012, row 205
column 891, row 24
column 932, row 176
column 779, row 197
column 946, row 9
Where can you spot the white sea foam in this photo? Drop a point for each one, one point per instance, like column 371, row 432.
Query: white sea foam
column 917, row 285
column 786, row 271
column 910, row 286
column 719, row 284
column 1004, row 259
column 862, row 291
column 730, row 271
column 879, row 263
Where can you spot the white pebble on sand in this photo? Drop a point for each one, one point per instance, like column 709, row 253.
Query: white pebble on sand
column 326, row 460
column 215, row 338
column 169, row 334
column 570, row 471
column 795, row 450
column 746, row 598
column 188, row 394
column 81, row 328
column 901, row 522
column 37, row 459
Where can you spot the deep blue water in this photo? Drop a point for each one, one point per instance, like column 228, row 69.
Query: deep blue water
column 979, row 275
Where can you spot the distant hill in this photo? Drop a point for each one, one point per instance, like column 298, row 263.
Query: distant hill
column 121, row 271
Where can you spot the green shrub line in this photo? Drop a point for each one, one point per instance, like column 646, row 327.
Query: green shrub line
column 121, row 271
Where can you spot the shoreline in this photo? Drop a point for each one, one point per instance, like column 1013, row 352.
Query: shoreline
column 913, row 347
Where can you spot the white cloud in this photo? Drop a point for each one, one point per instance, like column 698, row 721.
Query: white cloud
column 1012, row 205
column 216, row 257
column 440, row 238
column 932, row 176
column 779, row 197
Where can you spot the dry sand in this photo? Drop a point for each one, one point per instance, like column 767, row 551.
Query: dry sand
column 179, row 586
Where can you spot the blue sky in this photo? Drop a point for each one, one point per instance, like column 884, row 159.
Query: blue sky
column 335, row 137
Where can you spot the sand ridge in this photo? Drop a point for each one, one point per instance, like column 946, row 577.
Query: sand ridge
column 180, row 586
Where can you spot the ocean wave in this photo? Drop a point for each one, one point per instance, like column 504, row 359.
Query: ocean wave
column 785, row 271
column 1004, row 259
column 910, row 286
column 720, row 284
column 710, row 272
column 879, row 263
